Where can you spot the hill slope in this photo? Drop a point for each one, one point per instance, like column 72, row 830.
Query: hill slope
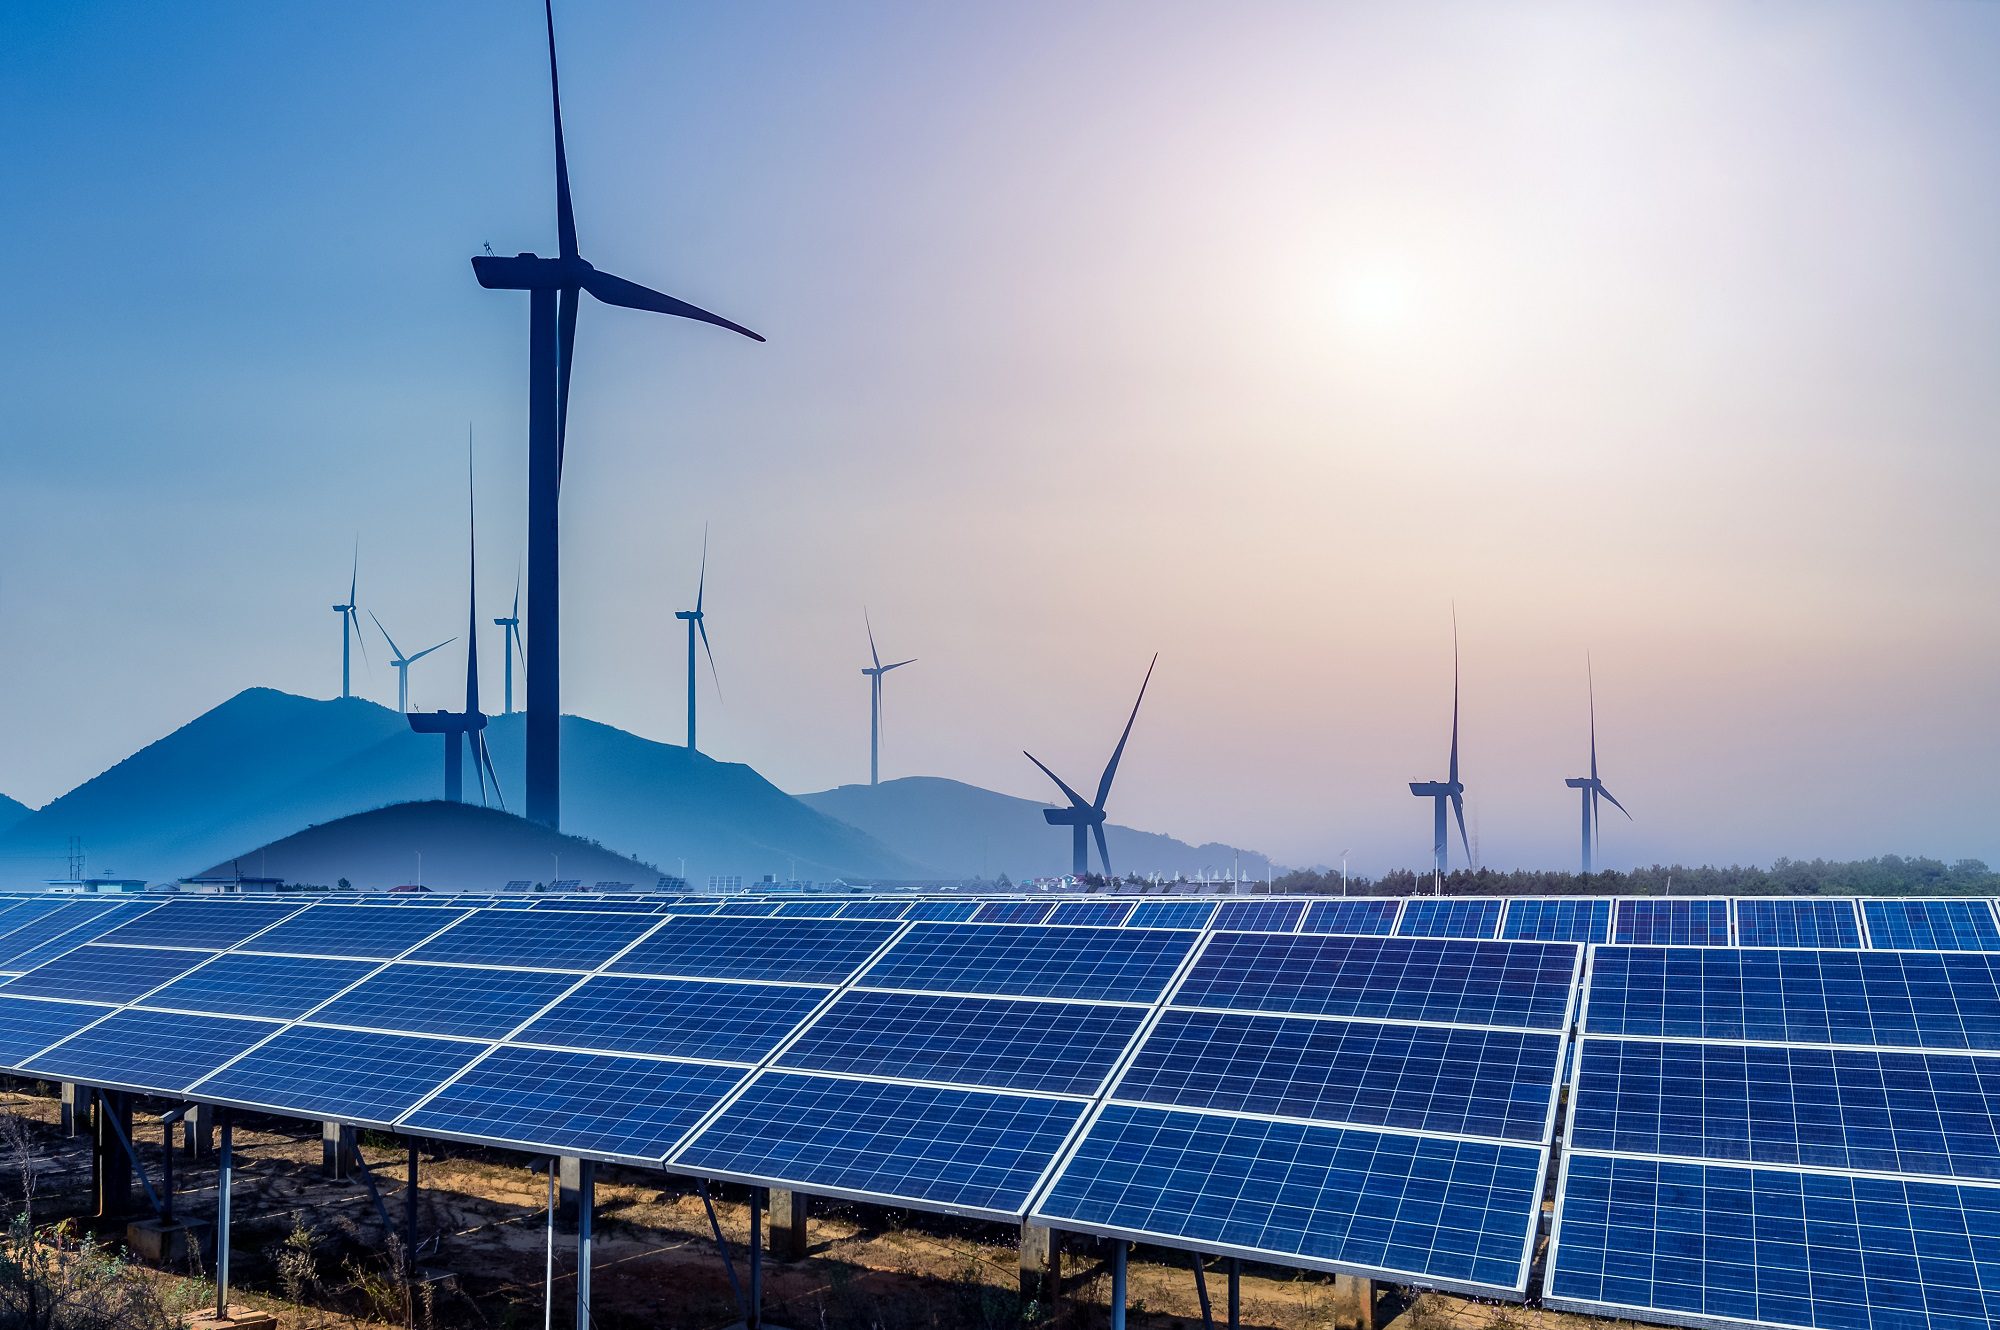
column 12, row 811
column 966, row 831
column 462, row 848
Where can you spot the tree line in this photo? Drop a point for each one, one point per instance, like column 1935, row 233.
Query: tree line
column 1889, row 875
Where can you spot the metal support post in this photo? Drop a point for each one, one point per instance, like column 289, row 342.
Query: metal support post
column 586, row 1202
column 1201, row 1292
column 225, row 1172
column 755, row 1319
column 1235, row 1293
column 722, row 1246
column 1118, row 1250
column 410, row 1214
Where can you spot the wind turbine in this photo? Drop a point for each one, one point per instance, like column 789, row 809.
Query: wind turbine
column 696, row 623
column 350, row 628
column 403, row 662
column 1451, row 790
column 874, row 675
column 1592, row 789
column 465, row 730
column 1087, row 816
column 555, row 286
column 511, row 643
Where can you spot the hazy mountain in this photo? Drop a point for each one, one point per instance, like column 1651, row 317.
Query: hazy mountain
column 463, row 847
column 966, row 831
column 12, row 811
column 265, row 764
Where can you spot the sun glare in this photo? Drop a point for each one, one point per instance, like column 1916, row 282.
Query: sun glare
column 1375, row 301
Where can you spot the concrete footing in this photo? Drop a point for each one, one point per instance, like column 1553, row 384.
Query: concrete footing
column 236, row 1318
column 75, row 1108
column 1041, row 1272
column 788, row 1225
column 336, row 1150
column 1353, row 1303
column 168, row 1243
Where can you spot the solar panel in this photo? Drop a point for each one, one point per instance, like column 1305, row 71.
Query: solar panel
column 1850, row 1109
column 750, row 909
column 1420, row 1209
column 625, row 1108
column 969, row 1152
column 20, row 913
column 942, row 912
column 1558, row 919
column 528, row 938
column 1169, row 914
column 149, row 1051
column 1101, row 914
column 244, row 984
column 1776, row 1246
column 355, row 1076
column 1672, row 923
column 367, row 932
column 1908, row 999
column 61, row 929
column 1786, row 921
column 873, row 910
column 1000, row 1043
column 1131, row 965
column 1263, row 916
column 446, row 999
column 94, row 973
column 29, row 1025
column 210, row 925
column 1523, row 984
column 1498, row 1083
column 1944, row 925
column 1450, row 916
column 1012, row 912
column 689, row 1018
column 806, row 951
column 809, row 909
column 1352, row 916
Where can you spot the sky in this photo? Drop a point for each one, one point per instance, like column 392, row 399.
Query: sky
column 1260, row 336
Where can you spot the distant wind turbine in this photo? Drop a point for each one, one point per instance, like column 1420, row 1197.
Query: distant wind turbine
column 696, row 623
column 510, row 646
column 1086, row 817
column 403, row 662
column 874, row 674
column 555, row 286
column 1591, row 788
column 350, row 628
column 465, row 731
column 1451, row 790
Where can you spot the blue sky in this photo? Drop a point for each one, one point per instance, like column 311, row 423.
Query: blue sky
column 1254, row 335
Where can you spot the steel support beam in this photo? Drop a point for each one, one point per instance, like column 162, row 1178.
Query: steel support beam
column 586, row 1202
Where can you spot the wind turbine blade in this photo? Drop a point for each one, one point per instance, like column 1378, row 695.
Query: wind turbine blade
column 477, row 743
column 1614, row 801
column 565, row 215
column 1591, row 679
column 899, row 664
column 360, row 642
column 871, row 637
column 1103, row 851
column 702, row 624
column 565, row 353
column 701, row 586
column 407, row 660
column 354, row 573
column 1458, row 809
column 486, row 758
column 1453, row 777
column 1075, row 799
column 630, row 295
column 471, row 586
column 393, row 650
column 515, row 613
column 1111, row 767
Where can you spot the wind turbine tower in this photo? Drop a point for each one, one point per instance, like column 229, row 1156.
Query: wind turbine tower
column 510, row 645
column 403, row 663
column 1590, row 788
column 1450, row 790
column 465, row 731
column 1085, row 817
column 555, row 286
column 350, row 629
column 696, row 623
column 874, row 675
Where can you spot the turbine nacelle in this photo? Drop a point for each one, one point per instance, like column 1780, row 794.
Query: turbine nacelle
column 1436, row 789
column 447, row 722
column 1073, row 817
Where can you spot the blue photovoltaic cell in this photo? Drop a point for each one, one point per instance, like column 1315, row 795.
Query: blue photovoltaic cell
column 1671, row 923
column 942, row 912
column 1012, row 912
column 95, row 973
column 1266, row 916
column 1103, row 914
column 1564, row 919
column 1893, row 998
column 805, row 951
column 689, row 1018
column 156, row 1051
column 1130, row 965
column 750, row 909
column 1525, row 984
column 1423, row 1209
column 245, row 984
column 20, row 913
column 1853, row 1109
column 530, row 938
column 1775, row 1246
column 809, row 909
column 1936, row 925
column 1171, row 914
column 60, row 930
column 208, row 924
column 580, row 1103
column 344, row 1075
column 1000, row 1043
column 1498, row 1083
column 1356, row 916
column 873, row 909
column 1447, row 916
column 366, row 932
column 444, row 999
column 28, row 1026
column 1785, row 921
column 963, row 1150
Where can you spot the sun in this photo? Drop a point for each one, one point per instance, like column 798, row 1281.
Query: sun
column 1375, row 300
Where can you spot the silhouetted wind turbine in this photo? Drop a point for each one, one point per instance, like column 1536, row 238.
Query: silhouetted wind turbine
column 1088, row 815
column 350, row 628
column 874, row 675
column 1452, row 790
column 465, row 730
column 511, row 644
column 403, row 662
column 696, row 623
column 1591, row 787
column 555, row 285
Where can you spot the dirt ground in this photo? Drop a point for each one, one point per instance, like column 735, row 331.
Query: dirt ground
column 314, row 1251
